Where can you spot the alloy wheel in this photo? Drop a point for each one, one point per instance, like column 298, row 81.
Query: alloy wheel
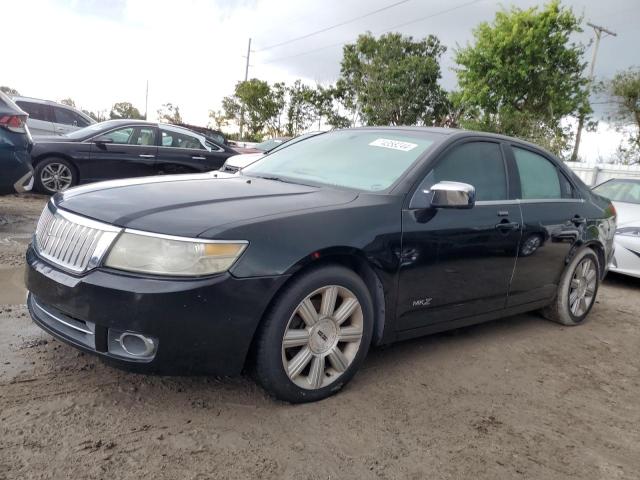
column 56, row 177
column 582, row 289
column 322, row 337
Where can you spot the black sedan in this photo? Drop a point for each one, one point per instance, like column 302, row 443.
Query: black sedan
column 16, row 173
column 121, row 149
column 346, row 240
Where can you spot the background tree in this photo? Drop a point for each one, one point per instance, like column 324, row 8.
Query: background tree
column 523, row 75
column 623, row 90
column 9, row 90
column 218, row 119
column 126, row 110
column 69, row 102
column 98, row 115
column 261, row 104
column 169, row 113
column 301, row 111
column 393, row 80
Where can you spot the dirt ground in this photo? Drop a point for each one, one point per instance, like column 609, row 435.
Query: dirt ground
column 515, row 398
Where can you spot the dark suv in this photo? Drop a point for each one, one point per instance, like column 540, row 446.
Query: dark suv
column 16, row 173
column 349, row 239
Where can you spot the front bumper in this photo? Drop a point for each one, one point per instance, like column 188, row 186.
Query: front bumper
column 626, row 258
column 201, row 325
column 25, row 183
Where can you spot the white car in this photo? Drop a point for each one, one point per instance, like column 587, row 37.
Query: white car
column 237, row 162
column 625, row 194
column 50, row 118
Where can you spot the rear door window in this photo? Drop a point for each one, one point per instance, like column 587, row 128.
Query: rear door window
column 539, row 177
column 37, row 111
column 68, row 117
column 180, row 140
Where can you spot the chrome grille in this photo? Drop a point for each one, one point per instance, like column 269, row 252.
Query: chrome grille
column 73, row 242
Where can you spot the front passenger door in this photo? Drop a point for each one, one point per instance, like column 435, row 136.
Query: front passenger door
column 458, row 263
column 122, row 153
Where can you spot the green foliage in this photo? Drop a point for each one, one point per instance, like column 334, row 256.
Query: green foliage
column 125, row 110
column 98, row 116
column 218, row 119
column 69, row 102
column 9, row 90
column 393, row 80
column 169, row 113
column 301, row 108
column 624, row 92
column 522, row 75
column 259, row 103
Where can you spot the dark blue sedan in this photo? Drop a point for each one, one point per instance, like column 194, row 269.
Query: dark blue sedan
column 16, row 172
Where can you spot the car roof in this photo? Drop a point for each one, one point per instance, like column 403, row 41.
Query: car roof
column 115, row 123
column 19, row 98
column 461, row 133
column 40, row 100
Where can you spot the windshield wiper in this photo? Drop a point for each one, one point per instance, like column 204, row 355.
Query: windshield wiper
column 275, row 179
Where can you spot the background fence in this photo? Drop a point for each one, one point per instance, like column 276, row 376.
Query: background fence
column 596, row 174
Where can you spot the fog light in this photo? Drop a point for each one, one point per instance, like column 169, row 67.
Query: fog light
column 132, row 345
column 136, row 344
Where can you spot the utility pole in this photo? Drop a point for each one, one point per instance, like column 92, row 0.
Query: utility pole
column 599, row 31
column 146, row 101
column 246, row 77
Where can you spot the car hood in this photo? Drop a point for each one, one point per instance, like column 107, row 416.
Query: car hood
column 628, row 213
column 188, row 205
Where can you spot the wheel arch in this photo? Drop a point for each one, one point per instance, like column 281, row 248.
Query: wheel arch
column 347, row 257
column 44, row 156
column 594, row 245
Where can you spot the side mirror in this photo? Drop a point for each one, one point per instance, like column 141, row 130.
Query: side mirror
column 452, row 195
column 101, row 140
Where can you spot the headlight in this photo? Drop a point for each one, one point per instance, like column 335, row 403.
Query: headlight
column 149, row 253
column 629, row 231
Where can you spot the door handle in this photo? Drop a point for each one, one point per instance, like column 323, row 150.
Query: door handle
column 147, row 156
column 578, row 220
column 197, row 157
column 507, row 225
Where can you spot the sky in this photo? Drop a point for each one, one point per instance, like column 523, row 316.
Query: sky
column 192, row 52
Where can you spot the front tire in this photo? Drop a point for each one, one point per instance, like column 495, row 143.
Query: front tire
column 54, row 175
column 577, row 290
column 315, row 336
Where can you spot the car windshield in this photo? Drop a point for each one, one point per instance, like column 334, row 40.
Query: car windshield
column 268, row 145
column 92, row 129
column 620, row 190
column 293, row 141
column 358, row 159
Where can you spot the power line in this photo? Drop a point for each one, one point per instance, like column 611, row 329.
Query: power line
column 326, row 29
column 426, row 17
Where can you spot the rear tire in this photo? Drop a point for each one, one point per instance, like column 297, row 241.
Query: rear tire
column 315, row 336
column 577, row 290
column 54, row 175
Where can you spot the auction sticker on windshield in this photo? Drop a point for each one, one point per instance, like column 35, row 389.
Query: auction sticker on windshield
column 393, row 144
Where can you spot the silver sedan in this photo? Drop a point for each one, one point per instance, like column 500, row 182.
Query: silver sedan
column 625, row 194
